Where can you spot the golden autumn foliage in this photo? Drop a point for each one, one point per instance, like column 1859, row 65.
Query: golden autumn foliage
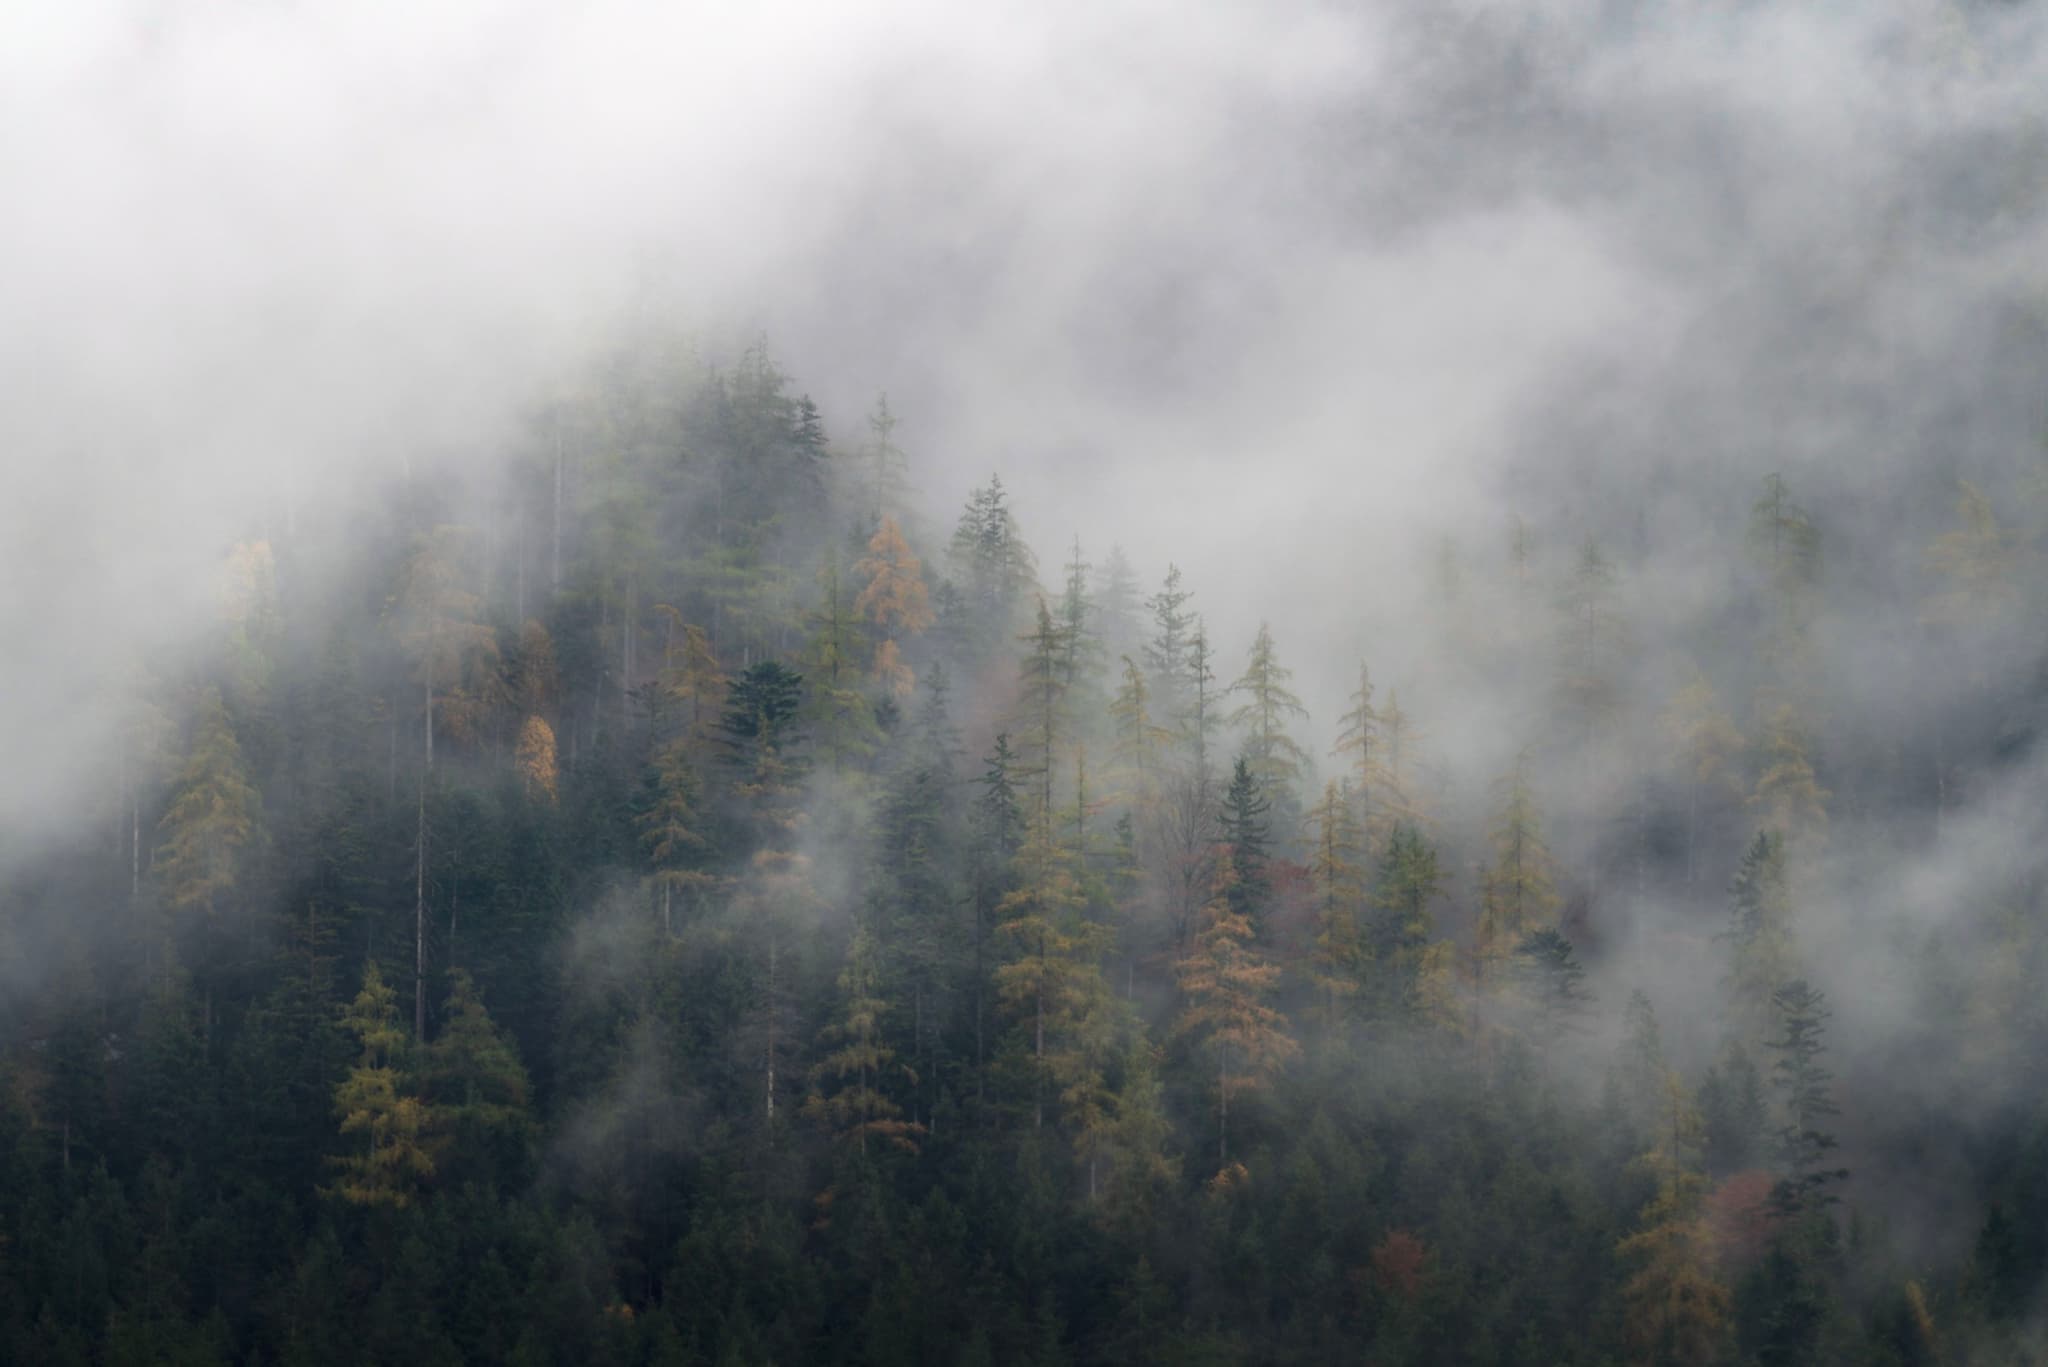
column 894, row 599
column 1226, row 983
column 536, row 757
column 211, row 822
column 1358, row 740
column 1973, row 565
column 1788, row 797
column 847, row 1097
column 1341, row 953
column 394, row 1157
column 1519, row 892
column 1703, row 735
column 891, row 672
column 1675, row 1309
column 1051, row 978
column 1393, row 776
column 691, row 676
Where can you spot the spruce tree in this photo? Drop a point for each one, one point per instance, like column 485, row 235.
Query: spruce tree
column 1804, row 1095
column 1759, row 935
column 1041, row 715
column 1247, row 836
column 1080, row 636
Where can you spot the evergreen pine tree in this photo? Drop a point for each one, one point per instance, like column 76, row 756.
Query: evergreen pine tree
column 1247, row 836
column 1804, row 1096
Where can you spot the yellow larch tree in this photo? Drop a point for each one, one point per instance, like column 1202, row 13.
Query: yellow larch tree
column 847, row 1096
column 691, row 679
column 1788, row 797
column 213, row 822
column 670, row 827
column 1358, row 739
column 535, row 757
column 1518, row 893
column 1226, row 983
column 1674, row 1309
column 894, row 597
column 1395, row 778
column 376, row 1102
column 1053, row 971
column 1338, row 965
column 1974, row 564
column 1140, row 740
column 895, row 600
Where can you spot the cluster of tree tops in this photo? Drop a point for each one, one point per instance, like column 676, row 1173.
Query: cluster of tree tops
column 673, row 910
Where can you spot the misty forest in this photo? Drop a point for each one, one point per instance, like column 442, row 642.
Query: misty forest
column 1130, row 828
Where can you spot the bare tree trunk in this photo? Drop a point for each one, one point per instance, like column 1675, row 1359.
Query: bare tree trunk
column 430, row 707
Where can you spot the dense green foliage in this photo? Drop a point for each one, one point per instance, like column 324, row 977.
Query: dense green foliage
column 677, row 908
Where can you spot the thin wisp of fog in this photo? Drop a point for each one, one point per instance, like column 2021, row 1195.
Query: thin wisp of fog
column 1072, row 683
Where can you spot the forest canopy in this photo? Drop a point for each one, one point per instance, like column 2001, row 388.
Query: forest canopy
column 1061, row 689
